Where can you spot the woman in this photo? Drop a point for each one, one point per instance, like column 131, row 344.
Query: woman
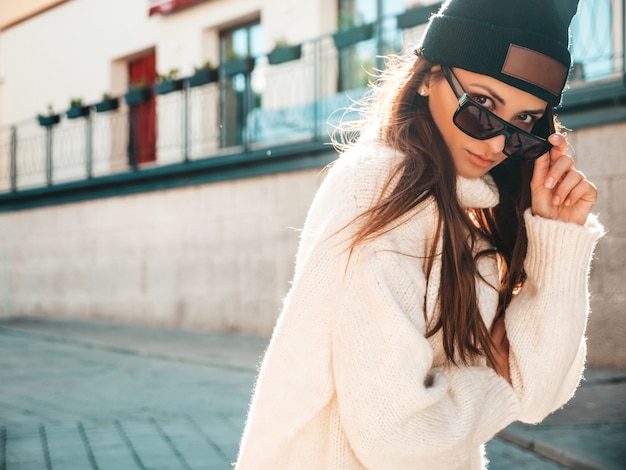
column 440, row 290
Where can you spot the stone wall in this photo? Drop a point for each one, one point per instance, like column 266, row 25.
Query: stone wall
column 215, row 256
column 600, row 153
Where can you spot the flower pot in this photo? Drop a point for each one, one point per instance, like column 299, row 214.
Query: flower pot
column 76, row 112
column 233, row 67
column 203, row 77
column 168, row 86
column 107, row 104
column 416, row 16
column 136, row 96
column 284, row 54
column 347, row 37
column 49, row 120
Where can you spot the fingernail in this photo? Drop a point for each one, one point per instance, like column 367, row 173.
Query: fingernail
column 568, row 202
column 549, row 182
column 556, row 200
column 555, row 138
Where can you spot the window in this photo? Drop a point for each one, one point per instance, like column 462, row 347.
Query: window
column 592, row 41
column 237, row 95
column 356, row 63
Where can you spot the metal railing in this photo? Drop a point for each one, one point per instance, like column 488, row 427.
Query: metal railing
column 296, row 101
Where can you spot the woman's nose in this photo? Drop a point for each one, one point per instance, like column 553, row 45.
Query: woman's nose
column 496, row 144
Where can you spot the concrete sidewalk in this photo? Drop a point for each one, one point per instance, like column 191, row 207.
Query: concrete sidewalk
column 80, row 395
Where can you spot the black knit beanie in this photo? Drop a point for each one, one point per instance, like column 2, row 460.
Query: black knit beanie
column 523, row 43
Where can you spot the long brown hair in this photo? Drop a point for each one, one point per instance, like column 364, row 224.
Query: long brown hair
column 428, row 171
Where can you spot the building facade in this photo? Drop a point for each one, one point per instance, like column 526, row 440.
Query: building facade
column 158, row 157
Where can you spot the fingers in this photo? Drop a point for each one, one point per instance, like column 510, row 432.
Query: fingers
column 559, row 142
column 544, row 163
column 565, row 188
column 560, row 166
column 562, row 177
column 559, row 190
column 540, row 172
column 585, row 190
column 569, row 184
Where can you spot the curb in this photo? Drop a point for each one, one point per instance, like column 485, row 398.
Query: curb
column 554, row 453
column 199, row 361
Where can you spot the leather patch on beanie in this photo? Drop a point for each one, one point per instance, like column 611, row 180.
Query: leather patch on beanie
column 536, row 68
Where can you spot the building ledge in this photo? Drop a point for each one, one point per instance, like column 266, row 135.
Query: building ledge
column 594, row 104
column 276, row 159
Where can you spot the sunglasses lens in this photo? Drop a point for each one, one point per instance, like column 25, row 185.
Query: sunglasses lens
column 480, row 123
column 525, row 147
column 476, row 122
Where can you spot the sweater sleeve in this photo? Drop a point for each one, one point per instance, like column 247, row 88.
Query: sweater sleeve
column 546, row 321
column 396, row 408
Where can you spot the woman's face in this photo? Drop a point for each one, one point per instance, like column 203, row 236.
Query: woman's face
column 473, row 158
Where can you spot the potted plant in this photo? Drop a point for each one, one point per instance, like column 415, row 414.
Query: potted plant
column 169, row 82
column 350, row 31
column 139, row 92
column 235, row 64
column 416, row 16
column 107, row 104
column 50, row 119
column 283, row 52
column 204, row 75
column 77, row 109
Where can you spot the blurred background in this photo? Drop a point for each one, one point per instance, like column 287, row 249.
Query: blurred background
column 157, row 157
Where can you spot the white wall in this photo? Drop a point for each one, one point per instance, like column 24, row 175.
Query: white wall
column 80, row 48
column 215, row 256
column 68, row 51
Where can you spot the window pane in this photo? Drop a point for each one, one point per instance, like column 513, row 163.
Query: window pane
column 591, row 47
column 366, row 11
column 256, row 41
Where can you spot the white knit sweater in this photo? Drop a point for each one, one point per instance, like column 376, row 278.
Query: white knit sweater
column 350, row 382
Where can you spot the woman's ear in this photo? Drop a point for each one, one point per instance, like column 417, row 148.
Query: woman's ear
column 424, row 89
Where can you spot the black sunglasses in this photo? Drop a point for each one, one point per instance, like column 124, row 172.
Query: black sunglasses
column 480, row 123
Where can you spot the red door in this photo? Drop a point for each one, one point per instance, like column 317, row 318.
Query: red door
column 142, row 116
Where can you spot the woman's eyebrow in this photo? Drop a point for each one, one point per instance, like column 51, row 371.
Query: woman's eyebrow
column 490, row 91
column 499, row 99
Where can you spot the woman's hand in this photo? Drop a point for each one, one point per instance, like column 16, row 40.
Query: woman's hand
column 501, row 351
column 559, row 191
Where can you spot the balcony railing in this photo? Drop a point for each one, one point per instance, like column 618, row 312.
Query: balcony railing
column 296, row 101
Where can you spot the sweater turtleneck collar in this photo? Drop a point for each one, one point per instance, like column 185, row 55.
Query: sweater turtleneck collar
column 478, row 193
column 475, row 193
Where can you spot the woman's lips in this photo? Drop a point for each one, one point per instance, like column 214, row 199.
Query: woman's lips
column 480, row 161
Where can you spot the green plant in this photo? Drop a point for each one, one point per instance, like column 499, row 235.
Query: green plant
column 172, row 74
column 49, row 111
column 232, row 55
column 207, row 65
column 281, row 43
column 106, row 96
column 139, row 84
column 346, row 20
column 76, row 102
column 349, row 20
